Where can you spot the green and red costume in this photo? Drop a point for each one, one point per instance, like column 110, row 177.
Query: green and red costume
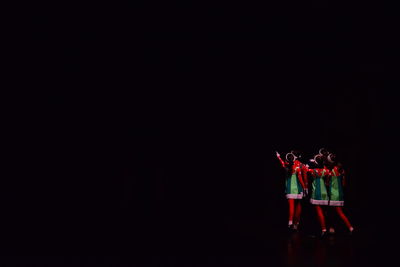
column 319, row 192
column 335, row 187
column 293, row 181
column 293, row 189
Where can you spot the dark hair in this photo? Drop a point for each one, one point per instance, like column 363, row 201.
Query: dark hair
column 323, row 151
column 290, row 160
column 339, row 166
column 330, row 161
column 290, row 157
column 319, row 161
column 297, row 153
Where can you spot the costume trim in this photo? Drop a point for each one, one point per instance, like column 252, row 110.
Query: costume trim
column 319, row 202
column 294, row 196
column 336, row 203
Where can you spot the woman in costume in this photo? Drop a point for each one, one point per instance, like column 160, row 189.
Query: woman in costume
column 293, row 189
column 303, row 168
column 335, row 189
column 319, row 193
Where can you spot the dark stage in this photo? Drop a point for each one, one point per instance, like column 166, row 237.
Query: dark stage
column 150, row 136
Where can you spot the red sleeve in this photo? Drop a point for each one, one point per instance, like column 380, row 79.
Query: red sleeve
column 298, row 170
column 310, row 172
column 282, row 162
column 328, row 172
column 304, row 173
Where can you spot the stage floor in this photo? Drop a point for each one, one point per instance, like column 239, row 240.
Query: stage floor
column 234, row 244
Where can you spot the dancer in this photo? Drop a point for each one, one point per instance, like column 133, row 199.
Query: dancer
column 294, row 189
column 335, row 190
column 319, row 193
column 303, row 168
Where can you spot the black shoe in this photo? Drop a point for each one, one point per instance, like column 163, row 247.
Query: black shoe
column 291, row 229
column 323, row 234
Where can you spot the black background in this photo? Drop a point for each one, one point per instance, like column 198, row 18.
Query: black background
column 150, row 132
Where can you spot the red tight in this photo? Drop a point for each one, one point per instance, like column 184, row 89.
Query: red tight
column 294, row 210
column 341, row 214
column 321, row 216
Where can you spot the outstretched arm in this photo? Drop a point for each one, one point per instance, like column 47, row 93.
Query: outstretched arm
column 281, row 161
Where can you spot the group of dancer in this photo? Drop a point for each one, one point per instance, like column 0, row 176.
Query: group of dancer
column 322, row 181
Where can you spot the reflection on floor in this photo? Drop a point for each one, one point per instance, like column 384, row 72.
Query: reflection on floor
column 247, row 244
column 310, row 250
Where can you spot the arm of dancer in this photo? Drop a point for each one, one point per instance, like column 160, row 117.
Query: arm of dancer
column 304, row 169
column 300, row 176
column 309, row 174
column 309, row 171
column 280, row 160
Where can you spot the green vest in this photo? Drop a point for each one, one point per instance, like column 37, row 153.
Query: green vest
column 336, row 186
column 318, row 187
column 293, row 185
